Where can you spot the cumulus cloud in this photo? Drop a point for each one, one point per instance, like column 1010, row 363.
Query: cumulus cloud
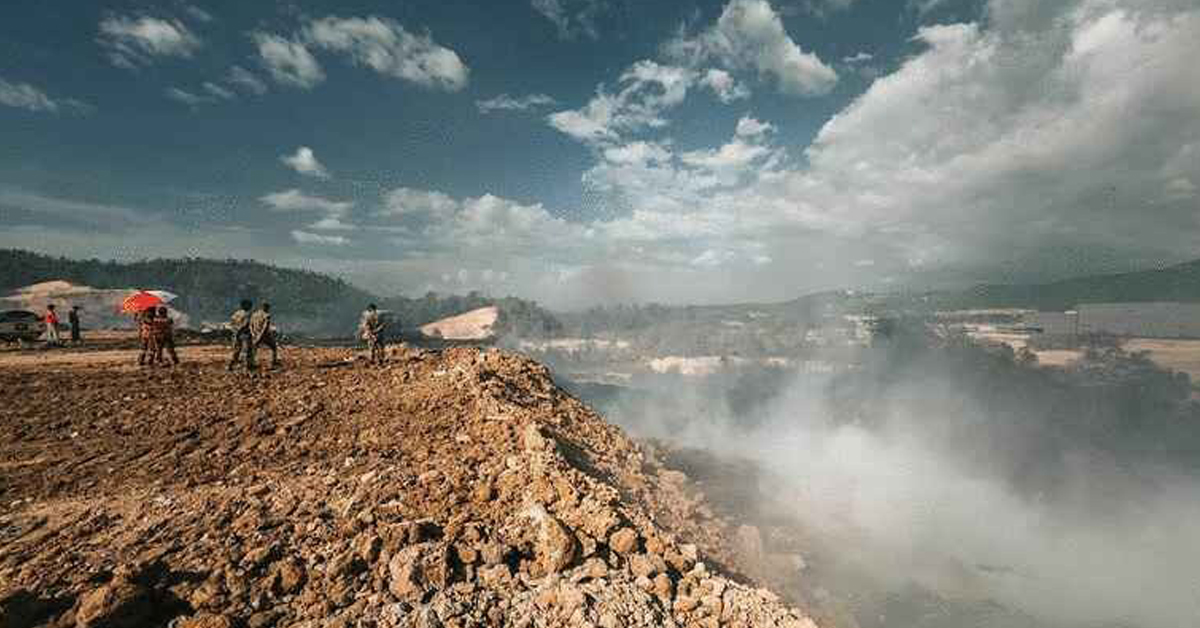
column 749, row 127
column 304, row 161
column 387, row 47
column 295, row 200
column 750, row 35
column 246, row 80
column 572, row 18
column 306, row 237
column 1002, row 142
column 135, row 41
column 647, row 90
column 26, row 96
column 504, row 102
column 288, row 61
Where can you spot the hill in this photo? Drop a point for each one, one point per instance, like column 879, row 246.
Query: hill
column 303, row 301
column 1180, row 283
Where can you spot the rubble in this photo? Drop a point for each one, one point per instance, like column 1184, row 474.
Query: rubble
column 456, row 488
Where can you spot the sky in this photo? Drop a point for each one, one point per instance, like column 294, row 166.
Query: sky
column 596, row 151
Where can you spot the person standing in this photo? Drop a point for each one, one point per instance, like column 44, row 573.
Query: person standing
column 146, row 334
column 262, row 332
column 51, row 320
column 73, row 319
column 371, row 328
column 163, row 330
column 239, row 323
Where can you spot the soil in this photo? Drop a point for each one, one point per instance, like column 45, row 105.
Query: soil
column 447, row 488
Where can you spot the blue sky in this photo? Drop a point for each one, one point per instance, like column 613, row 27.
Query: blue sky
column 578, row 151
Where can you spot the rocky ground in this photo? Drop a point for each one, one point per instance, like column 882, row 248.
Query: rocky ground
column 452, row 488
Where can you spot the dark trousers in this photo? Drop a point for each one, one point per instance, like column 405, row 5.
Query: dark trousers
column 268, row 340
column 168, row 345
column 75, row 336
column 242, row 343
column 149, row 350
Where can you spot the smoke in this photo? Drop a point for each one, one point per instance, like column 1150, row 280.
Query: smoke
column 921, row 481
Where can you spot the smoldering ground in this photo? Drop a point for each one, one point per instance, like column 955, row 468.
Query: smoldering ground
column 1064, row 499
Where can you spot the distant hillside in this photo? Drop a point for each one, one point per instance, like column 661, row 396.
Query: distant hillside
column 302, row 301
column 1175, row 283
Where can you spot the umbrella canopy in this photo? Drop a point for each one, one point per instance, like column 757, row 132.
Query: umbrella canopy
column 146, row 299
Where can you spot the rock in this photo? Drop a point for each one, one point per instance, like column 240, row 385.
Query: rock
column 118, row 604
column 482, row 493
column 493, row 553
column 405, row 573
column 623, row 541
column 418, row 568
column 368, row 545
column 206, row 620
column 554, row 547
column 291, row 576
column 533, row 439
column 641, row 565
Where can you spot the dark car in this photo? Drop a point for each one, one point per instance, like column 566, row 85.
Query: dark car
column 20, row 326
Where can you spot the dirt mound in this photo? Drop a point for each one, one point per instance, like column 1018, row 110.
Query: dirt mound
column 456, row 488
column 474, row 325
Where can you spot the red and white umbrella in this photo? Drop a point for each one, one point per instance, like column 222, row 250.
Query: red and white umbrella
column 146, row 299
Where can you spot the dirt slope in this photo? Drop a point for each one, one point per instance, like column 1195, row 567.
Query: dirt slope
column 459, row 488
column 474, row 325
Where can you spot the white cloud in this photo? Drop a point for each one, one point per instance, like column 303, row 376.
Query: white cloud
column 750, row 127
column 288, row 61
column 749, row 34
column 571, row 17
column 504, row 102
column 304, row 161
column 858, row 57
column 246, row 80
column 724, row 86
column 387, row 47
column 295, row 200
column 647, row 90
column 305, row 237
column 186, row 97
column 423, row 205
column 26, row 96
column 136, row 41
column 332, row 223
column 217, row 91
column 637, row 153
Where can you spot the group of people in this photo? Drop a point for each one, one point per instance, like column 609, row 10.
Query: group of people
column 52, row 325
column 157, row 332
column 251, row 330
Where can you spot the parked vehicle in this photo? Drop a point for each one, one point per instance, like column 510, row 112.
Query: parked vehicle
column 21, row 326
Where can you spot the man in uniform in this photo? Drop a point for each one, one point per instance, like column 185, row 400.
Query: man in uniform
column 262, row 332
column 73, row 319
column 239, row 324
column 145, row 321
column 163, row 329
column 371, row 327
